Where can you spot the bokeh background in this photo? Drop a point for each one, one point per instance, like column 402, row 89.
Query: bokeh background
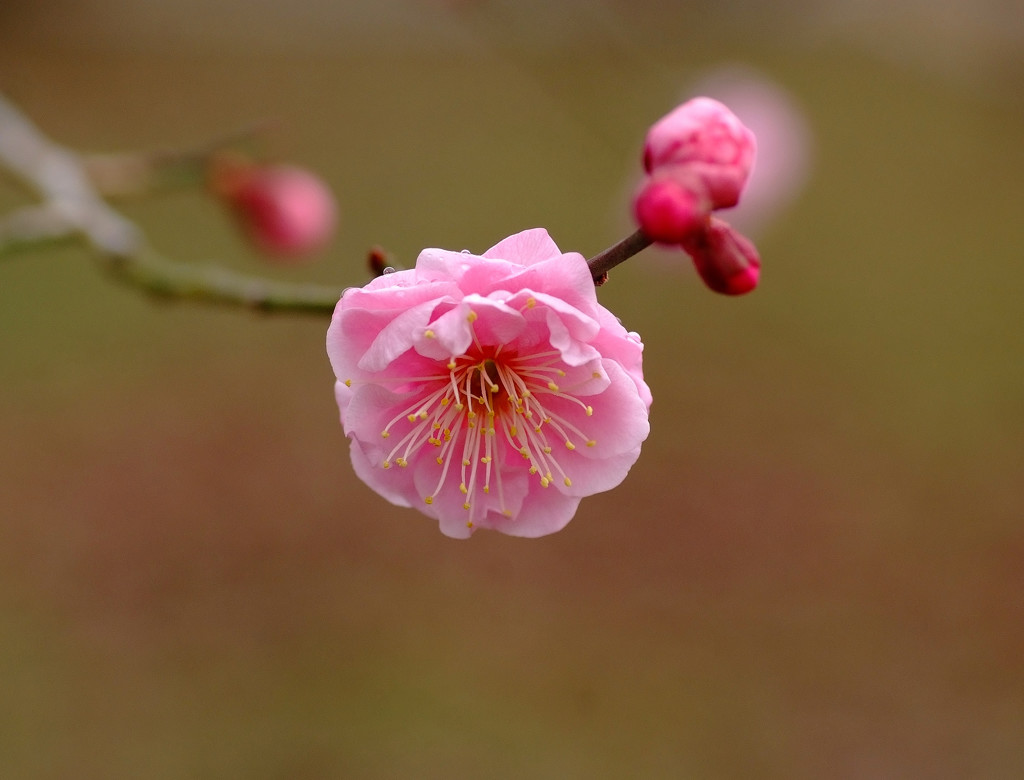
column 814, row 570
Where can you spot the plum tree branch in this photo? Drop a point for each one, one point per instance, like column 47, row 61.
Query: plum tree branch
column 72, row 208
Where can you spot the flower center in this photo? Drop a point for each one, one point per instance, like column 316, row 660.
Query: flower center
column 491, row 410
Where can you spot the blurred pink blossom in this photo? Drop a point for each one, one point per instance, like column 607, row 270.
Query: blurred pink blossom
column 286, row 211
column 489, row 391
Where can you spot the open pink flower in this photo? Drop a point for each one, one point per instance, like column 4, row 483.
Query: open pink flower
column 489, row 391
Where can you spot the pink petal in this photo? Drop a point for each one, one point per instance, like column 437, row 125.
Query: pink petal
column 526, row 248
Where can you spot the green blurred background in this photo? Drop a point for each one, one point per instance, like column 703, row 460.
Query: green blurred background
column 814, row 570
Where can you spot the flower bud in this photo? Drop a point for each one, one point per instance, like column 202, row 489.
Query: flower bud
column 671, row 205
column 708, row 138
column 285, row 210
column 725, row 259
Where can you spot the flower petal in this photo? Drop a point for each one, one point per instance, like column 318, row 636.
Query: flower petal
column 525, row 248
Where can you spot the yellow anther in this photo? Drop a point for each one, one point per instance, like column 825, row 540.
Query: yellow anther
column 592, row 442
column 547, row 450
column 507, row 512
column 387, row 464
column 484, row 459
column 423, row 415
column 487, row 488
column 533, row 470
column 469, row 524
column 527, row 393
column 412, row 418
column 531, row 302
column 348, row 383
column 428, row 333
column 471, row 317
column 590, row 411
column 513, row 430
column 552, row 386
column 544, row 481
column 385, row 434
column 570, row 446
column 429, row 499
column 568, row 482
column 462, row 488
column 524, row 452
column 597, row 375
column 439, row 459
column 445, row 401
column 451, row 365
column 560, row 372
column 466, row 506
column 465, row 461
column 402, row 462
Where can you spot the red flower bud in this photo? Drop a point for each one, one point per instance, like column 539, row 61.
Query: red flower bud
column 671, row 205
column 286, row 211
column 725, row 259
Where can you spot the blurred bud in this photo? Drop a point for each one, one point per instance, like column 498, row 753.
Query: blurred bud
column 379, row 261
column 725, row 259
column 671, row 205
column 285, row 210
column 711, row 141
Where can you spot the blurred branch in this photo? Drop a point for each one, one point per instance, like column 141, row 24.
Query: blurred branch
column 31, row 226
column 55, row 174
column 72, row 208
column 120, row 174
column 165, row 278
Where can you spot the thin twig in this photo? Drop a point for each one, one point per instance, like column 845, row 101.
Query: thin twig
column 601, row 263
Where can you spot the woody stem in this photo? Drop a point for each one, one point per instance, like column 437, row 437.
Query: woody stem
column 601, row 263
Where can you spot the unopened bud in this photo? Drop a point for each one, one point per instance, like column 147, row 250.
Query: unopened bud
column 285, row 210
column 669, row 207
column 725, row 259
column 711, row 141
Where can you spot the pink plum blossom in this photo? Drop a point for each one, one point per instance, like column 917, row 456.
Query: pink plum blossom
column 489, row 391
column 710, row 141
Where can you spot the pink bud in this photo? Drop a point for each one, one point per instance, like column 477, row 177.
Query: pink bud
column 286, row 211
column 707, row 137
column 671, row 205
column 725, row 259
